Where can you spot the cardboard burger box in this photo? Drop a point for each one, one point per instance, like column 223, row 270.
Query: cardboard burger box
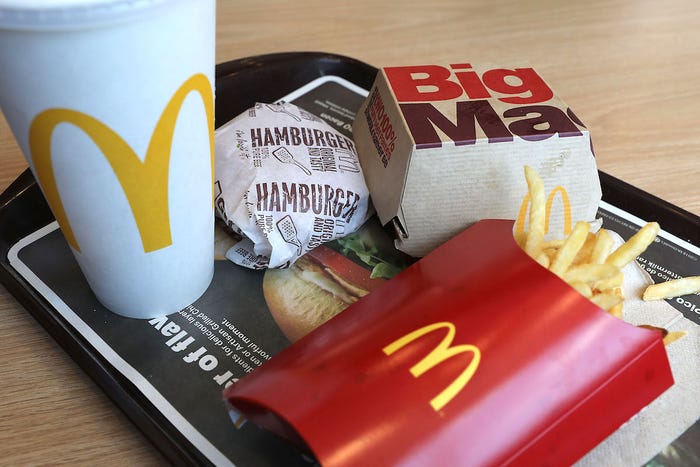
column 443, row 146
column 498, row 362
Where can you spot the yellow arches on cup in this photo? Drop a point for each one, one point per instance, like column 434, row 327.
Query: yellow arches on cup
column 145, row 184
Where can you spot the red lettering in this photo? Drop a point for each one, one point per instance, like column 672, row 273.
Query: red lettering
column 380, row 127
column 470, row 82
column 530, row 84
column 408, row 87
column 426, row 83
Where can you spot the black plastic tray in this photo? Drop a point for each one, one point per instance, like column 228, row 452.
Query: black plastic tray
column 239, row 84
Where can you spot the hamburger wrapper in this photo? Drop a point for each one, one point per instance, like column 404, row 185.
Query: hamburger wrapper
column 474, row 355
column 287, row 181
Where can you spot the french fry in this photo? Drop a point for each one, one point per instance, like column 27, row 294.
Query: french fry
column 543, row 259
column 582, row 288
column 614, row 282
column 634, row 246
column 673, row 288
column 550, row 253
column 520, row 239
column 616, row 310
column 606, row 301
column 673, row 336
column 601, row 249
column 566, row 254
column 667, row 336
column 533, row 243
column 591, row 273
column 553, row 244
column 587, row 263
column 584, row 254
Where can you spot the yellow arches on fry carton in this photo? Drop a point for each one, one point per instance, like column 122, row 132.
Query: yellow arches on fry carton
column 566, row 209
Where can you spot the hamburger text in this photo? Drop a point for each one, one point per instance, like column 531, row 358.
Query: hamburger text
column 298, row 136
column 321, row 199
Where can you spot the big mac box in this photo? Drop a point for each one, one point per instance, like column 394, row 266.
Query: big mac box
column 473, row 355
column 443, row 146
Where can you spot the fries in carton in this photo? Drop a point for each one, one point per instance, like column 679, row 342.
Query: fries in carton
column 503, row 360
column 497, row 362
column 442, row 146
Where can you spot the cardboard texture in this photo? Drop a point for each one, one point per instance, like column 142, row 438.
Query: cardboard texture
column 443, row 146
column 498, row 362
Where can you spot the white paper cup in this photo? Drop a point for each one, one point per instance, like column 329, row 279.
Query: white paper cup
column 112, row 103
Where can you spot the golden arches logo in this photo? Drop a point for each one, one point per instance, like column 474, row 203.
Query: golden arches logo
column 566, row 206
column 145, row 184
column 439, row 354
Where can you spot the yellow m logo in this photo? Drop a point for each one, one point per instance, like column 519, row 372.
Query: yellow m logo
column 566, row 205
column 439, row 354
column 145, row 184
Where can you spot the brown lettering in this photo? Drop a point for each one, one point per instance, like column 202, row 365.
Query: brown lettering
column 547, row 121
column 423, row 118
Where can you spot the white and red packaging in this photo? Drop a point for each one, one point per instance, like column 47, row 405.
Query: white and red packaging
column 443, row 146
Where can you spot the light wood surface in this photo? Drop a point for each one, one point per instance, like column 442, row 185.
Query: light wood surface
column 630, row 69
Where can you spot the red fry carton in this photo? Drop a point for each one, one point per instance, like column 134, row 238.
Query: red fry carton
column 474, row 355
column 443, row 146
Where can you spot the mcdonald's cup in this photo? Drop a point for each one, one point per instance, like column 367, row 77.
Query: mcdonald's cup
column 112, row 104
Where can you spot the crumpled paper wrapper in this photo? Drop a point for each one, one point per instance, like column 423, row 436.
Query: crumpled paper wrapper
column 673, row 412
column 287, row 182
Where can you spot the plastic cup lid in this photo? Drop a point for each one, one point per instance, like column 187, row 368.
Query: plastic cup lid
column 68, row 14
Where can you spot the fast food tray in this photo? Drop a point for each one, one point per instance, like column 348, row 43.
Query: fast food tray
column 239, row 85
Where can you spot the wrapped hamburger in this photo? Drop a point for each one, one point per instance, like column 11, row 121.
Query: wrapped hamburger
column 287, row 182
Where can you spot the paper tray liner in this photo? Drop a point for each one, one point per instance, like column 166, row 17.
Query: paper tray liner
column 553, row 374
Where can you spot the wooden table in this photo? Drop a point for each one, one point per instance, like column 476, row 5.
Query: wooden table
column 629, row 69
